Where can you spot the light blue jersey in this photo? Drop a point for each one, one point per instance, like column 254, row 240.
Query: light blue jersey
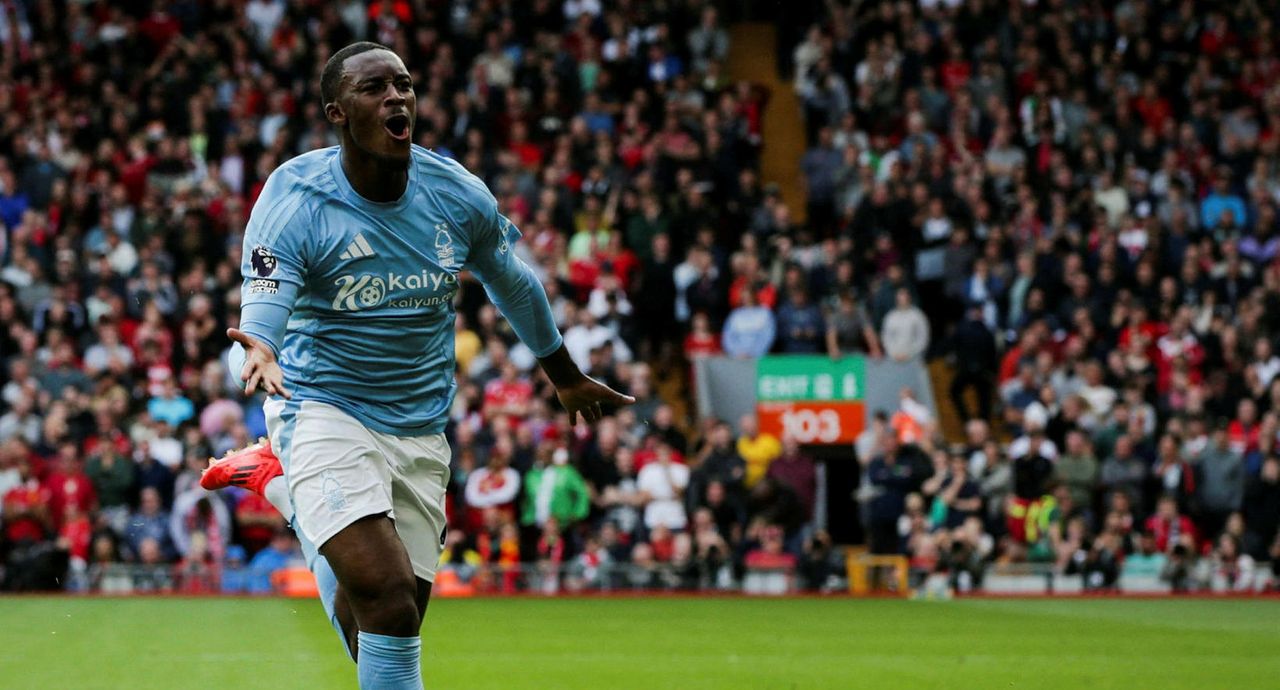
column 356, row 297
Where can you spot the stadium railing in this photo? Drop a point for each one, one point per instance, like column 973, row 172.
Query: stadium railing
column 467, row 579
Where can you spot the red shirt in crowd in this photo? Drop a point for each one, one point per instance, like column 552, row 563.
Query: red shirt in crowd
column 32, row 500
column 1167, row 531
column 66, row 490
column 502, row 394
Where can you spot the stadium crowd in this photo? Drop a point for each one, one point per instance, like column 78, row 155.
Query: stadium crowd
column 1075, row 202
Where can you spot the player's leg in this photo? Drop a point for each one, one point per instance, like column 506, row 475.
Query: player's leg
column 281, row 418
column 378, row 585
column 340, row 485
column 419, row 478
column 258, row 469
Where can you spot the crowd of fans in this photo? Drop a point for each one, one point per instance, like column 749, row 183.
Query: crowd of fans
column 133, row 145
column 1075, row 202
column 1082, row 197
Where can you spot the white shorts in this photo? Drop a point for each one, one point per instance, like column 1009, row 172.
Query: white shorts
column 338, row 471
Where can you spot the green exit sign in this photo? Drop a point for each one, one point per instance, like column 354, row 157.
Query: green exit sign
column 809, row 378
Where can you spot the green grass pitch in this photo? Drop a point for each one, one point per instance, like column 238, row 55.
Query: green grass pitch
column 649, row 643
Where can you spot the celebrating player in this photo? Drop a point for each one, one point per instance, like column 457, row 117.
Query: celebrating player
column 351, row 261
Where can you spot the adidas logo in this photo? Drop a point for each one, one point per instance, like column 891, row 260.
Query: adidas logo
column 358, row 249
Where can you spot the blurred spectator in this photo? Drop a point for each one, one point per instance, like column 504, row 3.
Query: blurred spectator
column 892, row 478
column 801, row 327
column 756, row 448
column 495, row 486
column 905, row 334
column 849, row 329
column 796, row 471
column 554, row 489
column 750, row 328
column 662, row 484
column 149, row 523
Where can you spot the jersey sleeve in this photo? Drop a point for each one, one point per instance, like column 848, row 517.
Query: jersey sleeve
column 274, row 261
column 509, row 282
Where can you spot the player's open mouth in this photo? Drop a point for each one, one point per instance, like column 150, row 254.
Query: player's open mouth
column 397, row 126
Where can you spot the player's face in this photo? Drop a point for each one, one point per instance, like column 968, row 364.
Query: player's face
column 377, row 105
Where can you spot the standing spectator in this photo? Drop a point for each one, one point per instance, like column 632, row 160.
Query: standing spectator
column 796, row 471
column 820, row 166
column 1262, row 509
column 171, row 406
column 68, row 487
column 756, row 448
column 800, row 324
column 554, row 489
column 905, row 333
column 149, row 523
column 114, row 482
column 718, row 462
column 662, row 484
column 892, row 478
column 750, row 329
column 849, row 328
column 495, row 486
column 1124, row 471
column 974, row 348
column 1077, row 469
column 1220, row 489
column 1222, row 209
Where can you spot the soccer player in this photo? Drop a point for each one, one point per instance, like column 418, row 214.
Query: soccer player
column 351, row 261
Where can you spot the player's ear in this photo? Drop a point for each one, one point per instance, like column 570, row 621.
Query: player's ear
column 333, row 112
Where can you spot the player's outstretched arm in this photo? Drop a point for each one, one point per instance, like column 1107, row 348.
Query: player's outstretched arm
column 579, row 393
column 260, row 366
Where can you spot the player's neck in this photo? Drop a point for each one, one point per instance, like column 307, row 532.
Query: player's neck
column 373, row 179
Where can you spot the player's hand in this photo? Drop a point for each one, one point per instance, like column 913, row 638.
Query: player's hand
column 587, row 396
column 260, row 367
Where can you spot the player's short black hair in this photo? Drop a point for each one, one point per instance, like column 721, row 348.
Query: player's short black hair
column 332, row 75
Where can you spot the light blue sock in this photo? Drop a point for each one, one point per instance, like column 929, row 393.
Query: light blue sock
column 326, row 582
column 389, row 663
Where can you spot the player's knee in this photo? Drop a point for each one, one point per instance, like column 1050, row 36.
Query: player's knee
column 385, row 603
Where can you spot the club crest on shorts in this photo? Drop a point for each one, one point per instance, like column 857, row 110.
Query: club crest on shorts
column 263, row 261
column 331, row 491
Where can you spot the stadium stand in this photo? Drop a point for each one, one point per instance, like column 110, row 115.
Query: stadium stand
column 1071, row 205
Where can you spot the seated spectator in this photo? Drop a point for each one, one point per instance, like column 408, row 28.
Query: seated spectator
column 1169, row 527
column 1230, row 569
